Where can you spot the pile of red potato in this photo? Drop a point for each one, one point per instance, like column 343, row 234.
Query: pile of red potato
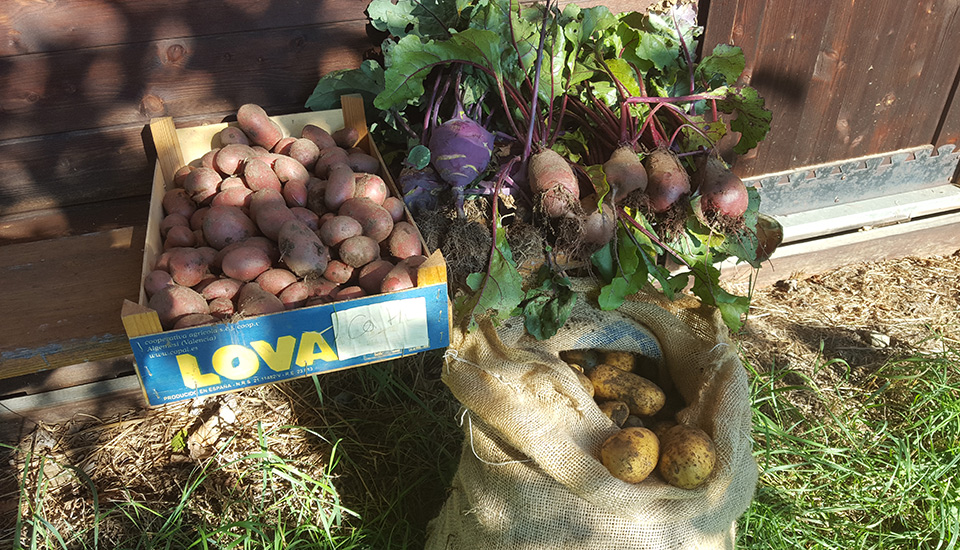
column 266, row 223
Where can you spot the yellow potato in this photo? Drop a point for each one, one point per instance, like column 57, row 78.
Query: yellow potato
column 643, row 397
column 630, row 454
column 616, row 411
column 623, row 360
column 687, row 456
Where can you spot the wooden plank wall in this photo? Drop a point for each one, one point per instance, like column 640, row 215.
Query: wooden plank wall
column 79, row 82
column 844, row 79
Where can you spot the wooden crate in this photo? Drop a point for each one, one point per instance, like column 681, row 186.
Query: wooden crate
column 180, row 364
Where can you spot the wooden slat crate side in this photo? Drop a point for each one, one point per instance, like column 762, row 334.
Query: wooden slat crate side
column 132, row 83
column 51, row 26
column 843, row 79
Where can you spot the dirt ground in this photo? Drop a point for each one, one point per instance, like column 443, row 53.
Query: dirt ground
column 860, row 314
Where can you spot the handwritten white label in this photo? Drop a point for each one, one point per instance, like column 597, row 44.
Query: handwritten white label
column 387, row 326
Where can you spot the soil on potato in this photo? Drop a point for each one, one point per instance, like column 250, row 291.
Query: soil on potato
column 833, row 327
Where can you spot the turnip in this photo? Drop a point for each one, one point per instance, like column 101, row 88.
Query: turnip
column 723, row 195
column 667, row 180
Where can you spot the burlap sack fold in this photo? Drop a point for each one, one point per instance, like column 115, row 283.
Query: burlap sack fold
column 529, row 477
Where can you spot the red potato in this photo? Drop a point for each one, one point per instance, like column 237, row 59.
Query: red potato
column 196, row 219
column 362, row 162
column 208, row 159
column 199, row 238
column 176, row 301
column 414, row 262
column 395, row 207
column 289, row 170
column 295, row 193
column 230, row 182
column 305, row 151
column 722, row 193
column 301, row 250
column 307, row 216
column 231, row 135
column 253, row 300
column 222, row 308
column 267, row 245
column 295, row 295
column 208, row 253
column 245, row 263
column 359, row 251
column 181, row 174
column 187, row 266
column 179, row 236
column 271, row 217
column 370, row 186
column 554, row 182
column 177, row 201
column 329, row 157
column 258, row 174
column 172, row 220
column 338, row 272
column 202, row 184
column 371, row 275
column 264, row 197
column 319, row 136
column 667, row 180
column 338, row 229
column 398, row 278
column 625, row 173
column 322, row 289
column 316, row 195
column 274, row 280
column 348, row 293
column 233, row 196
column 223, row 287
column 283, row 146
column 346, row 137
column 227, row 224
column 404, row 241
column 376, row 221
column 195, row 320
column 231, row 158
column 341, row 186
column 155, row 281
column 255, row 123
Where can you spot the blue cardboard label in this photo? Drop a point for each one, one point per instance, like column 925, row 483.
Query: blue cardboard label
column 183, row 364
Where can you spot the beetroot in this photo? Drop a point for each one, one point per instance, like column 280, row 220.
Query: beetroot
column 722, row 193
column 667, row 180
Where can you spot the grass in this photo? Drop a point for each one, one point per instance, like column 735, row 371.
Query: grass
column 876, row 470
column 853, row 466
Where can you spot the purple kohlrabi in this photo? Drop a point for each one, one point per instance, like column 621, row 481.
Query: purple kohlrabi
column 421, row 188
column 460, row 150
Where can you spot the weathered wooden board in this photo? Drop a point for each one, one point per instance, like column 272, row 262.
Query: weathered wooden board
column 843, row 79
column 949, row 131
column 72, row 168
column 54, row 223
column 128, row 84
column 62, row 299
column 57, row 25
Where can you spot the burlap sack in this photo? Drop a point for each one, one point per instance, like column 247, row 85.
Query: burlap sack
column 528, row 476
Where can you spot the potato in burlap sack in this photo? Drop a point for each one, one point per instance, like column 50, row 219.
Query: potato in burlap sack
column 529, row 476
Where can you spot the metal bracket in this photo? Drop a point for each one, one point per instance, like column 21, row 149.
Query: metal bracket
column 852, row 180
